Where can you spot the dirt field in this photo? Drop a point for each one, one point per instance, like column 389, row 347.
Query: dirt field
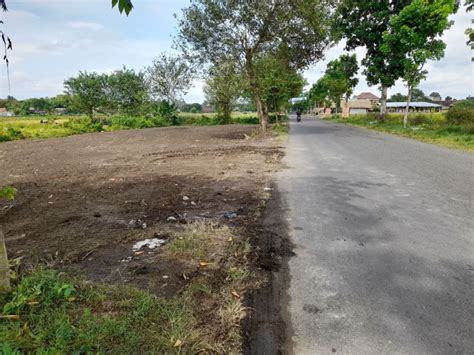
column 83, row 201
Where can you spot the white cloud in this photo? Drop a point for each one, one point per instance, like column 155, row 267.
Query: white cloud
column 79, row 25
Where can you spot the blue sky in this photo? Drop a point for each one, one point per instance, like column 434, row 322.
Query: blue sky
column 54, row 40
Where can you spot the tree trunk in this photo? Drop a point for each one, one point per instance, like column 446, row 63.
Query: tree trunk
column 262, row 109
column 383, row 103
column 4, row 267
column 262, row 112
column 407, row 109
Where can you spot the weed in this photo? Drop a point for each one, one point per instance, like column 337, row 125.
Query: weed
column 435, row 128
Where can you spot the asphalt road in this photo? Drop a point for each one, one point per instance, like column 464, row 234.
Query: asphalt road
column 383, row 229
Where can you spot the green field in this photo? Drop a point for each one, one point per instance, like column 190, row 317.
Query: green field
column 431, row 127
column 27, row 127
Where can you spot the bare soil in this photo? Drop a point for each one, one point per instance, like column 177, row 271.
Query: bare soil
column 84, row 200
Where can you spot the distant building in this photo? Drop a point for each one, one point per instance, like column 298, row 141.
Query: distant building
column 374, row 99
column 60, row 111
column 447, row 104
column 414, row 107
column 5, row 113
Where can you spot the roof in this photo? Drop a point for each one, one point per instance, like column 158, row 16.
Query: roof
column 3, row 109
column 367, row 96
column 413, row 104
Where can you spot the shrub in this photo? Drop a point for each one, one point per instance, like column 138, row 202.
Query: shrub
column 462, row 113
column 131, row 122
column 83, row 125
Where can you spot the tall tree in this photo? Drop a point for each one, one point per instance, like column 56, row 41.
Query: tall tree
column 341, row 78
column 362, row 23
column 416, row 33
column 277, row 82
column 88, row 91
column 297, row 30
column 169, row 77
column 126, row 91
column 223, row 88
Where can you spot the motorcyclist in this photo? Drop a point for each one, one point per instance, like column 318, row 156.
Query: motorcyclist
column 298, row 115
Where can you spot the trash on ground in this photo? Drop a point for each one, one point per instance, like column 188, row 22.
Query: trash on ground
column 267, row 189
column 150, row 243
column 230, row 215
column 185, row 198
column 171, row 218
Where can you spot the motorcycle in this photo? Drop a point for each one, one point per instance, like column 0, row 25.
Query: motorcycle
column 298, row 117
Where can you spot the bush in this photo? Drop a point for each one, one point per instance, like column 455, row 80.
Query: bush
column 10, row 134
column 462, row 113
column 83, row 125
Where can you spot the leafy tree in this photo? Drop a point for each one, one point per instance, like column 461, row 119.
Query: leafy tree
column 88, row 91
column 223, row 88
column 398, row 97
column 246, row 30
column 419, row 95
column 448, row 98
column 169, row 77
column 341, row 78
column 192, row 108
column 319, row 93
column 276, row 82
column 362, row 23
column 126, row 91
column 416, row 32
column 436, row 95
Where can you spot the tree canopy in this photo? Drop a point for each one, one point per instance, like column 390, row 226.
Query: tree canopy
column 223, row 88
column 362, row 23
column 294, row 31
column 416, row 33
column 169, row 77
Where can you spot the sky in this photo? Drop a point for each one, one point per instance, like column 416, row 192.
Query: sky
column 54, row 40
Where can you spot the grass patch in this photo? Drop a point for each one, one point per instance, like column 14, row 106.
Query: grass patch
column 432, row 128
column 51, row 312
column 15, row 128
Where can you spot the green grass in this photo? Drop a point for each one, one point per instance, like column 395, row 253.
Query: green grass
column 15, row 128
column 58, row 314
column 431, row 128
column 49, row 312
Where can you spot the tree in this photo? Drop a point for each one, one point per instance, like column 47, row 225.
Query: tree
column 276, row 82
column 436, row 96
column 341, row 78
column 88, row 91
column 362, row 22
column 398, row 97
column 169, row 77
column 126, row 91
column 223, row 88
column 448, row 98
column 416, row 32
column 319, row 93
column 297, row 31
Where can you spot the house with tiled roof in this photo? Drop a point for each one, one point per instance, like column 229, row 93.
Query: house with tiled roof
column 367, row 96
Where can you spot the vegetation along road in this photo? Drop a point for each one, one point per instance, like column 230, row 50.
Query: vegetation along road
column 383, row 229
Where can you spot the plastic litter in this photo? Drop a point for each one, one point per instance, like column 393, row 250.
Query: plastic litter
column 230, row 215
column 150, row 243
